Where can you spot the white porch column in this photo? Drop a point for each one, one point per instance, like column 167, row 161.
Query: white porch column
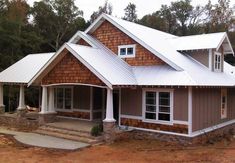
column 109, row 107
column 21, row 99
column 44, row 100
column 51, row 107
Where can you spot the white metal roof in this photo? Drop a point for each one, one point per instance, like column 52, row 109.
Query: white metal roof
column 112, row 68
column 204, row 41
column 25, row 69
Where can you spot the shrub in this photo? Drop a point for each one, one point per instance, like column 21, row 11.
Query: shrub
column 97, row 130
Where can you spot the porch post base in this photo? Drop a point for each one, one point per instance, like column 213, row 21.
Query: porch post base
column 21, row 112
column 109, row 131
column 47, row 118
column 2, row 109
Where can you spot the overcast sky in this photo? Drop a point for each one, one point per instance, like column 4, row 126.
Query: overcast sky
column 143, row 6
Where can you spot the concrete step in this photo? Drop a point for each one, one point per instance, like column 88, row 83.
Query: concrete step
column 66, row 131
column 70, row 135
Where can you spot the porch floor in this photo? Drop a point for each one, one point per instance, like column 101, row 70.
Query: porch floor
column 73, row 124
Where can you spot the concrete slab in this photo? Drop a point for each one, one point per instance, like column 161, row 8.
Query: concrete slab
column 44, row 141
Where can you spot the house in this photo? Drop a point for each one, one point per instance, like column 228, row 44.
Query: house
column 129, row 75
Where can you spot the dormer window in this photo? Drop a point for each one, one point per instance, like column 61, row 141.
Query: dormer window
column 217, row 62
column 126, row 51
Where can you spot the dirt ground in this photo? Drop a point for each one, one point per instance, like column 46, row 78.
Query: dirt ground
column 122, row 151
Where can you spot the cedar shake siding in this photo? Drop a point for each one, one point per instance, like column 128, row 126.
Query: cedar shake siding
column 83, row 42
column 112, row 37
column 207, row 107
column 70, row 70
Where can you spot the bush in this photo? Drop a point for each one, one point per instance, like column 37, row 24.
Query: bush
column 97, row 130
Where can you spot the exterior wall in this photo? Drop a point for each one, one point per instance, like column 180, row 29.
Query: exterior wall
column 112, row 37
column 131, row 111
column 131, row 102
column 70, row 70
column 75, row 114
column 201, row 56
column 207, row 107
column 181, row 104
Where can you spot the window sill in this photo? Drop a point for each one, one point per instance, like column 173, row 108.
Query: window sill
column 170, row 123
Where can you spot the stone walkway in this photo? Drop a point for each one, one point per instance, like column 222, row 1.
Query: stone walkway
column 38, row 140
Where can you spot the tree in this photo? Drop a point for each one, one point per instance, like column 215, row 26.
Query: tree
column 65, row 18
column 107, row 8
column 130, row 13
column 219, row 16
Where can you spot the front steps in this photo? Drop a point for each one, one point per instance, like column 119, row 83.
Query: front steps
column 77, row 135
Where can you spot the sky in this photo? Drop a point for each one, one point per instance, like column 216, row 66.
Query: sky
column 143, row 7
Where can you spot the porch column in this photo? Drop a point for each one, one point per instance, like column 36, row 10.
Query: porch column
column 2, row 107
column 21, row 99
column 109, row 122
column 51, row 107
column 109, row 107
column 47, row 114
column 44, row 100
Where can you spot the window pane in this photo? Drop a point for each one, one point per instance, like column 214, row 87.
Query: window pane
column 123, row 51
column 164, row 109
column 164, row 101
column 150, row 116
column 151, row 108
column 164, row 95
column 59, row 97
column 151, row 101
column 68, row 99
column 151, row 94
column 130, row 51
column 164, row 117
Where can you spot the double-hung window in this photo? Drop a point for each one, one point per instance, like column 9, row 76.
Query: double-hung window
column 217, row 62
column 158, row 105
column 126, row 51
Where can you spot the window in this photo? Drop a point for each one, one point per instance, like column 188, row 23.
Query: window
column 217, row 64
column 158, row 105
column 126, row 51
column 63, row 98
column 223, row 103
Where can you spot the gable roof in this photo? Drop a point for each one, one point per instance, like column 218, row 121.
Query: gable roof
column 24, row 70
column 203, row 41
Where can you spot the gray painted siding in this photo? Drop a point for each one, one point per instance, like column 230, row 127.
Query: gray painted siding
column 181, row 104
column 201, row 56
column 131, row 103
column 207, row 107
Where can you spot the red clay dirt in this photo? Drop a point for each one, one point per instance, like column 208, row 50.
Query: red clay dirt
column 121, row 151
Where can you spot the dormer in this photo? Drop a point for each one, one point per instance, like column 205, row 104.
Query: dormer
column 207, row 49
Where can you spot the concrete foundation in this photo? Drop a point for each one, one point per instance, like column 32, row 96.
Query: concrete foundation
column 47, row 118
column 109, row 131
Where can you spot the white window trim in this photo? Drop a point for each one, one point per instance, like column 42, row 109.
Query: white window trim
column 157, row 107
column 216, row 69
column 127, row 46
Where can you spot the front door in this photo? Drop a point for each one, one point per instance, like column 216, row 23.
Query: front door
column 116, row 105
